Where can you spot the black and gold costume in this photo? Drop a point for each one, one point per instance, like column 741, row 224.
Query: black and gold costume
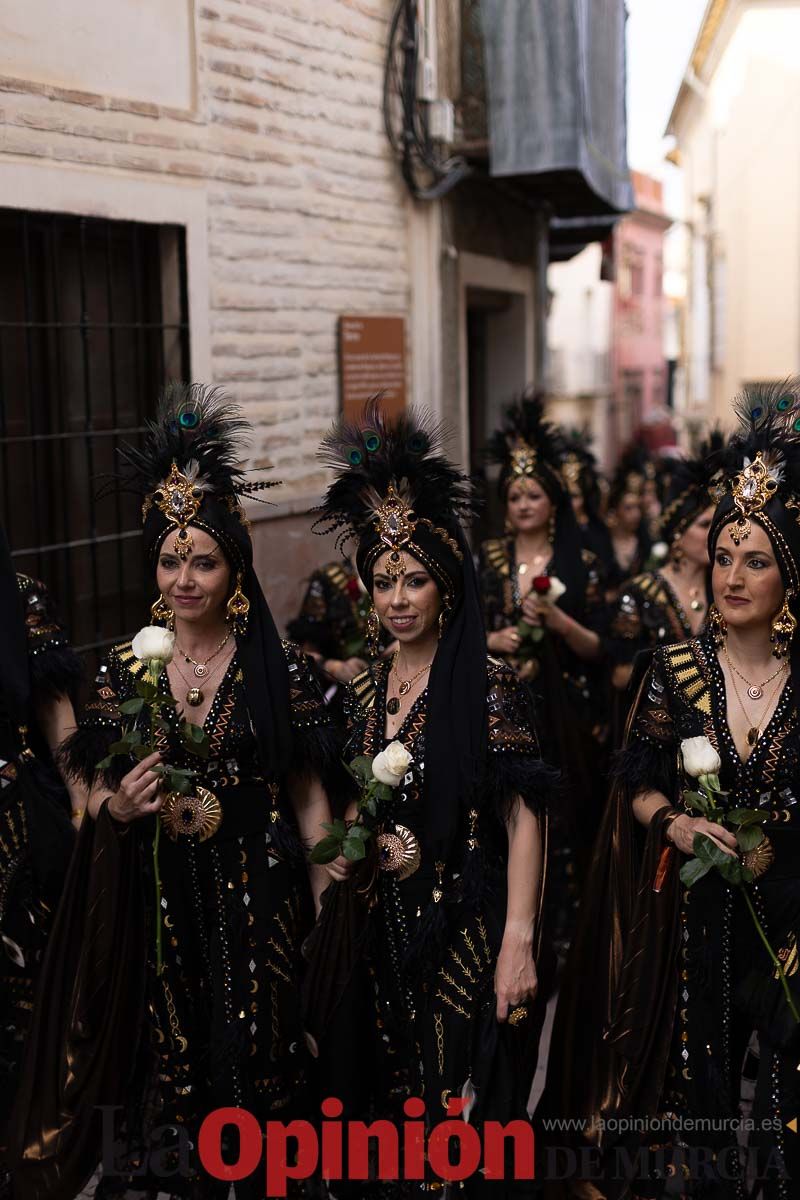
column 36, row 835
column 571, row 721
column 403, row 968
column 434, row 1035
column 673, row 989
column 667, row 985
column 649, row 614
column 221, row 1024
column 223, row 1020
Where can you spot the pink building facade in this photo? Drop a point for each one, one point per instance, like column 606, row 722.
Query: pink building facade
column 639, row 367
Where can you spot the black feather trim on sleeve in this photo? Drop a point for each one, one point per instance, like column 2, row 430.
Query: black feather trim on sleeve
column 317, row 751
column 55, row 671
column 644, row 767
column 508, row 776
column 79, row 754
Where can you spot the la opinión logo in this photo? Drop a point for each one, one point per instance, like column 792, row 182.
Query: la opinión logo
column 452, row 1149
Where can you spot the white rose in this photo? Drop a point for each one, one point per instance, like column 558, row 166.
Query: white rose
column 391, row 764
column 660, row 550
column 699, row 757
column 153, row 642
column 556, row 589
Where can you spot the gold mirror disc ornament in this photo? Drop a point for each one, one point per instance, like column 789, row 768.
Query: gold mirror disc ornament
column 199, row 813
column 398, row 852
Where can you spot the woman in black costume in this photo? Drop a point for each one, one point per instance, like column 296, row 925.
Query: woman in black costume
column 669, row 604
column 455, row 887
column 632, row 498
column 220, row 1024
column 559, row 655
column 39, row 675
column 667, row 983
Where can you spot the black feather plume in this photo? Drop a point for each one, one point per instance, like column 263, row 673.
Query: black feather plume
column 203, row 431
column 524, row 421
column 769, row 421
column 377, row 452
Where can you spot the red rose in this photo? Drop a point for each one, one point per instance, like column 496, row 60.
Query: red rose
column 353, row 590
column 541, row 584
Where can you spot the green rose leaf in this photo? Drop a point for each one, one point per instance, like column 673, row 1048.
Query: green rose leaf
column 746, row 816
column 730, row 870
column 104, row 763
column 353, row 849
column 750, row 836
column 148, row 691
column 124, row 746
column 383, row 791
column 361, row 767
column 141, row 752
column 132, row 706
column 359, row 831
column 692, row 871
column 696, row 801
column 326, row 850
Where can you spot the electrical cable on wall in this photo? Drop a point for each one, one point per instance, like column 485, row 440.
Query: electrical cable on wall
column 428, row 174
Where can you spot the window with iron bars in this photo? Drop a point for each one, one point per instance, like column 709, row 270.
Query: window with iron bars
column 93, row 321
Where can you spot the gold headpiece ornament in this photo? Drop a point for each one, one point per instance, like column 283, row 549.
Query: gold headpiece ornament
column 523, row 461
column 571, row 472
column 753, row 487
column 395, row 523
column 179, row 498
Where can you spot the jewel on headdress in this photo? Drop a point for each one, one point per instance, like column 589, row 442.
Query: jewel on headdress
column 523, row 461
column 571, row 471
column 755, row 484
column 394, row 521
column 179, row 498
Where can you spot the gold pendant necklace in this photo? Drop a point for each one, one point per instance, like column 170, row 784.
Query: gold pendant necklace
column 405, row 685
column 754, row 732
column 754, row 690
column 201, row 668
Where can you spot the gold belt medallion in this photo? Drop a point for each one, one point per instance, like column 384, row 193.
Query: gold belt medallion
column 199, row 812
column 398, row 852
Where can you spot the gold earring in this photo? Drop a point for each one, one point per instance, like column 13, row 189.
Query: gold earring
column 373, row 632
column 161, row 611
column 717, row 626
column 238, row 607
column 783, row 627
column 676, row 556
column 508, row 527
column 551, row 529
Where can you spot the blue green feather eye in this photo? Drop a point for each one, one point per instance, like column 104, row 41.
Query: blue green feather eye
column 784, row 403
column 755, row 413
column 355, row 457
column 189, row 420
column 796, row 426
column 417, row 443
column 372, row 441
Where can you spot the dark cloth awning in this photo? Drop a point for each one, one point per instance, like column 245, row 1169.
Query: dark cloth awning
column 555, row 86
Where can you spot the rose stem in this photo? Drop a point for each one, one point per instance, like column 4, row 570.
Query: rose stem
column 772, row 955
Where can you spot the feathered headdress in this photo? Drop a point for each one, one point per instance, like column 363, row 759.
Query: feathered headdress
column 689, row 489
column 189, row 468
column 579, row 466
column 635, row 468
column 759, row 479
column 527, row 446
column 394, row 490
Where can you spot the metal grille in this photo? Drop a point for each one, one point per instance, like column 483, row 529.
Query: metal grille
column 93, row 320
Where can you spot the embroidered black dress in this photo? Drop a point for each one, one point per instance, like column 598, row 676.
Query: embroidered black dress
column 36, row 835
column 222, row 1024
column 571, row 718
column 679, row 978
column 648, row 614
column 434, row 1028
